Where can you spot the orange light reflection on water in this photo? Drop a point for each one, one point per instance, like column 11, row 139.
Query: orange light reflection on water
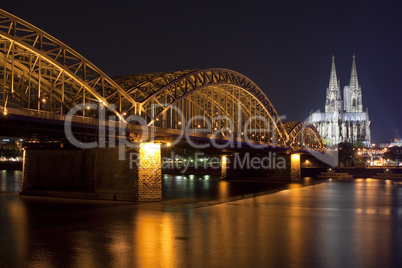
column 155, row 241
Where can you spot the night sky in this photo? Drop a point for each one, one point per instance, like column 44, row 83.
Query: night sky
column 285, row 47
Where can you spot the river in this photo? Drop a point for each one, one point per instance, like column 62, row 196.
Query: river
column 335, row 223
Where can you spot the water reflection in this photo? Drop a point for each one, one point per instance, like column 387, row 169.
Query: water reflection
column 203, row 188
column 155, row 237
column 336, row 224
column 10, row 180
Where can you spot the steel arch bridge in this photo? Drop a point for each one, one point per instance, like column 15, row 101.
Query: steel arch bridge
column 303, row 134
column 40, row 74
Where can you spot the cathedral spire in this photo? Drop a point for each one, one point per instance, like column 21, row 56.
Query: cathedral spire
column 334, row 100
column 333, row 80
column 354, row 82
column 353, row 94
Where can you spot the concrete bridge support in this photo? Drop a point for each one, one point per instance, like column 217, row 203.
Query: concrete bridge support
column 274, row 166
column 94, row 173
column 295, row 170
column 224, row 166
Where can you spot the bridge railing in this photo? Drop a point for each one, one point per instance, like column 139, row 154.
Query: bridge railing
column 131, row 128
column 49, row 115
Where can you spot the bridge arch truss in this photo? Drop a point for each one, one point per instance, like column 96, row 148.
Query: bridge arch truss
column 39, row 73
column 304, row 134
column 206, row 93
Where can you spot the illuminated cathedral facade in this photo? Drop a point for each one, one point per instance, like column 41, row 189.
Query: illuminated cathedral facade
column 344, row 119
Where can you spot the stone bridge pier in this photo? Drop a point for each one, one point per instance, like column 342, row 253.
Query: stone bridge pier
column 101, row 174
column 274, row 166
column 94, row 173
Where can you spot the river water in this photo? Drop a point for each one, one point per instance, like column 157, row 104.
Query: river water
column 330, row 224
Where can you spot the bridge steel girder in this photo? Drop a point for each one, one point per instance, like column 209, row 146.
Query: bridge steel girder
column 37, row 71
column 159, row 92
column 304, row 134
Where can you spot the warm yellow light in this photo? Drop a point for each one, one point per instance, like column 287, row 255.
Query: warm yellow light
column 43, row 100
column 88, row 107
column 199, row 126
column 149, row 172
column 5, row 112
column 295, row 157
column 295, row 167
column 168, row 144
column 224, row 163
column 124, row 113
column 149, row 147
column 179, row 123
column 149, row 158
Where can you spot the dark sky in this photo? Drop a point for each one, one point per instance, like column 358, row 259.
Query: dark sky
column 285, row 47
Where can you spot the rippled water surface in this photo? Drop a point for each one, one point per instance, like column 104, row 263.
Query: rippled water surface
column 332, row 224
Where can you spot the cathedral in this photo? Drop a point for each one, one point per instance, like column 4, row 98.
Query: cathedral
column 344, row 119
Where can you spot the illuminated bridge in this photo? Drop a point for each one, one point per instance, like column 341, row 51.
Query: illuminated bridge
column 42, row 80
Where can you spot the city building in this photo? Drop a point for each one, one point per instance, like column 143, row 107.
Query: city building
column 344, row 119
column 397, row 141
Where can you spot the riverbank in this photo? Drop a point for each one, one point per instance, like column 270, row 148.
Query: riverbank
column 368, row 172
